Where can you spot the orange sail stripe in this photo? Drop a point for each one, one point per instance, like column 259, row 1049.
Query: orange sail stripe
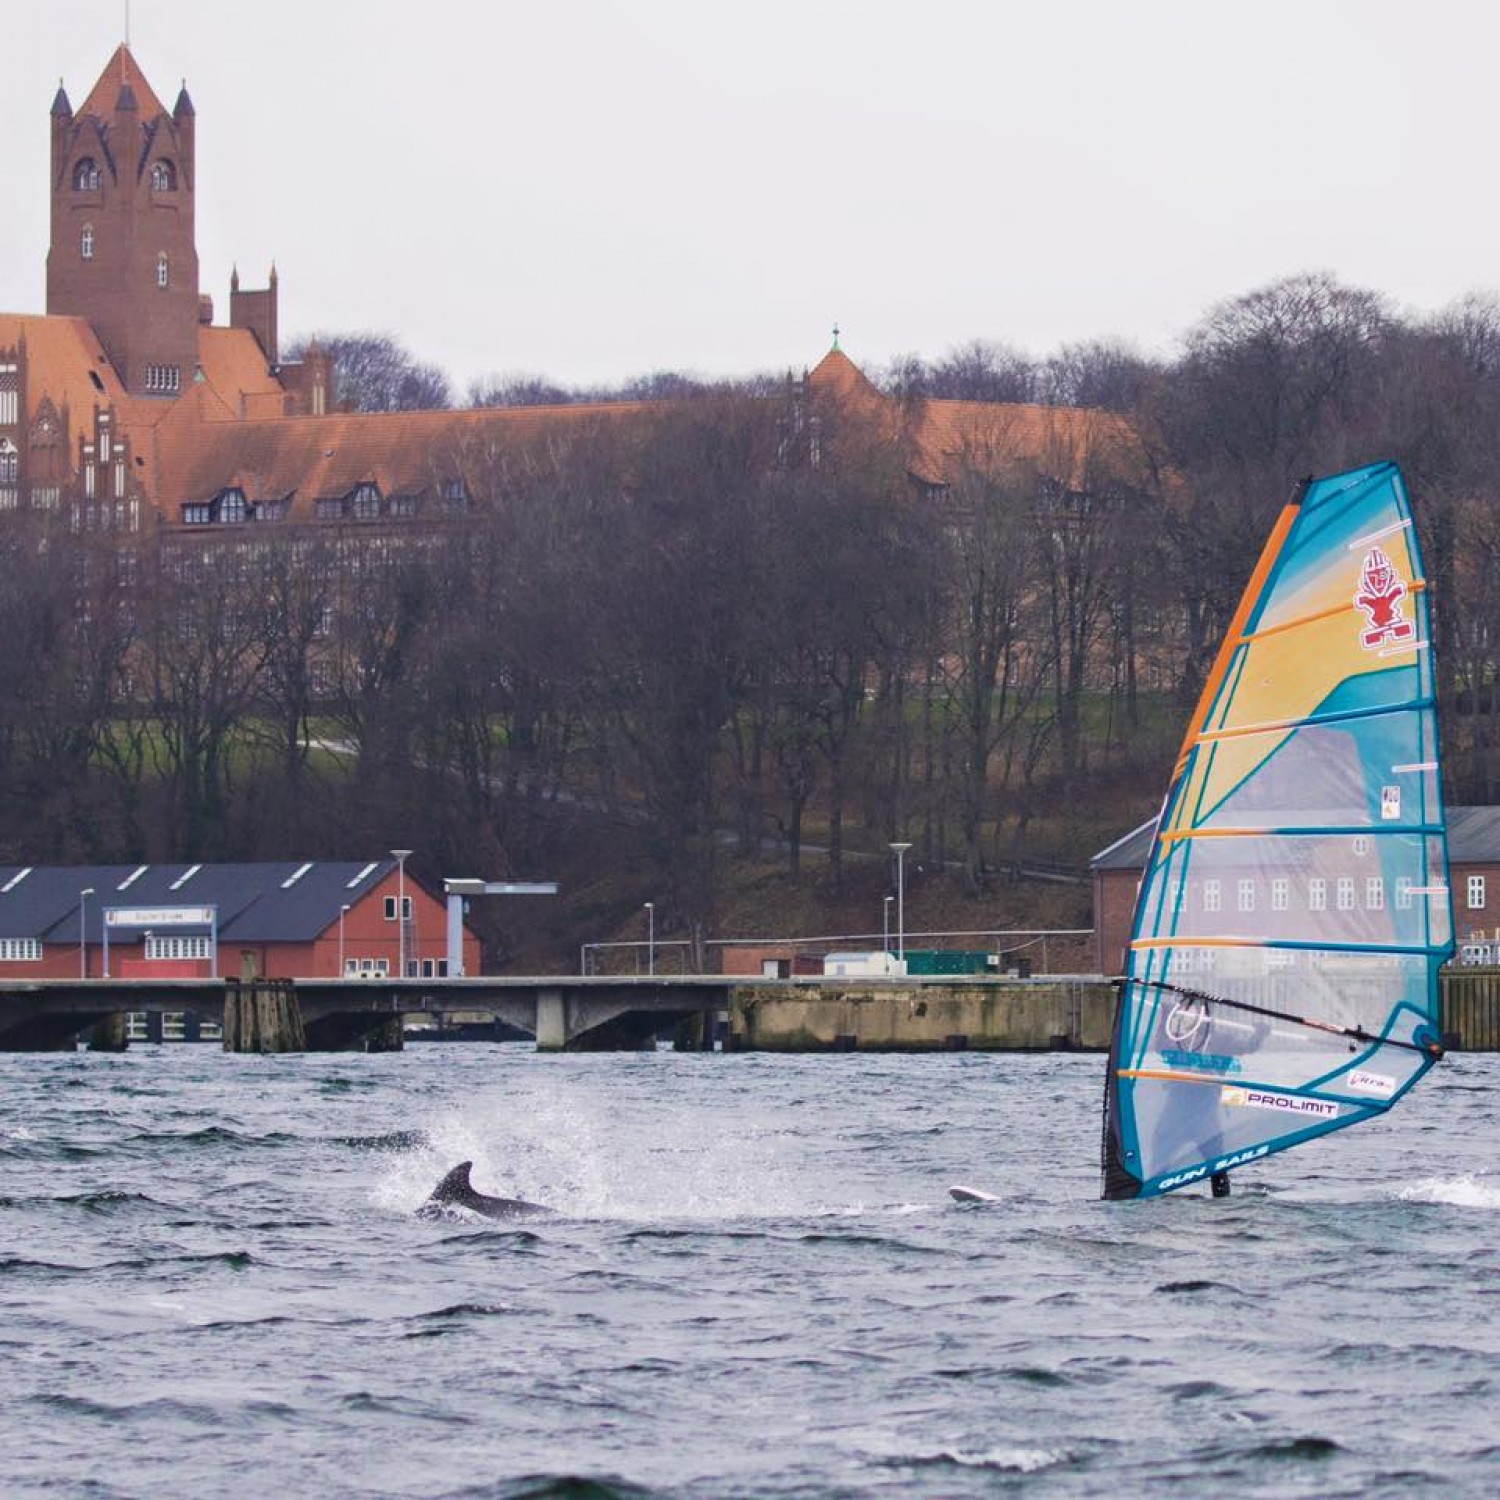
column 1167, row 1075
column 1231, row 640
column 1415, row 587
column 1184, row 941
column 1171, row 835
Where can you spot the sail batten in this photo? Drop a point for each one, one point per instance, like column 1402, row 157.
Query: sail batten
column 1281, row 978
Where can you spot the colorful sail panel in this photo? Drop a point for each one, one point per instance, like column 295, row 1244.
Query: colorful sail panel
column 1281, row 979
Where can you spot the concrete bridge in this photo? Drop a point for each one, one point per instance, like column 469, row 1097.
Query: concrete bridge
column 562, row 1012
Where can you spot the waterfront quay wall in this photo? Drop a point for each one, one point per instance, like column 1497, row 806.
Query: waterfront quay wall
column 1058, row 1013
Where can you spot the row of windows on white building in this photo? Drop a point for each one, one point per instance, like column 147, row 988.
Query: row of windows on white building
column 29, row 950
column 1345, row 891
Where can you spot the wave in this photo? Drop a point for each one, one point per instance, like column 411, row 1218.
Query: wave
column 1007, row 1459
column 390, row 1140
column 107, row 1202
column 552, row 1487
column 1467, row 1191
column 211, row 1135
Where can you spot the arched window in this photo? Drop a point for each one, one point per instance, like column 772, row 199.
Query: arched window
column 163, row 176
column 86, row 242
column 163, row 276
column 86, row 175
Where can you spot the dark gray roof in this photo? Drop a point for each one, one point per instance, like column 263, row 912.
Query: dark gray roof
column 1473, row 839
column 291, row 902
column 1129, row 852
column 1474, row 835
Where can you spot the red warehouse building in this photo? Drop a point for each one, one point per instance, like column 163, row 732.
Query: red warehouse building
column 298, row 919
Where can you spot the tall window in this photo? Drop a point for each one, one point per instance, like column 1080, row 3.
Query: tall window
column 86, row 242
column 366, row 502
column 1476, row 893
column 232, row 507
column 163, row 278
column 163, row 177
column 1212, row 899
column 1317, row 894
column 1246, row 895
column 86, row 175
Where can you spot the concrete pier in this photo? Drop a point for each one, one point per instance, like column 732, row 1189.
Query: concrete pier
column 1023, row 1015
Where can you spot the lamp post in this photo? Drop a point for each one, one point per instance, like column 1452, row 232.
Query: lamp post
column 651, row 937
column 400, row 856
column 83, row 941
column 885, row 925
column 900, row 851
column 343, row 912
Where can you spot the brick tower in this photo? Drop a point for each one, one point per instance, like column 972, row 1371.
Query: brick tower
column 123, row 253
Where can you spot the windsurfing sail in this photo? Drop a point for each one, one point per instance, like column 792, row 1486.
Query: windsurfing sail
column 1281, row 979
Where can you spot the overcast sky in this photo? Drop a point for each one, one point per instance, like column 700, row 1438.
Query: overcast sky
column 590, row 190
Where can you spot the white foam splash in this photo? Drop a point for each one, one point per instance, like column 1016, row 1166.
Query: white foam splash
column 1006, row 1460
column 564, row 1142
column 1462, row 1192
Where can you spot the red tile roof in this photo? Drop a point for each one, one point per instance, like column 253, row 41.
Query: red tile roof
column 62, row 355
column 1065, row 442
column 121, row 69
column 309, row 458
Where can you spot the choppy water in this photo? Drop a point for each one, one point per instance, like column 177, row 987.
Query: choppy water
column 214, row 1283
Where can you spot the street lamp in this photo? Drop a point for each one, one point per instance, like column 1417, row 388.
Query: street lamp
column 400, row 856
column 651, row 937
column 83, row 941
column 343, row 912
column 900, row 850
column 885, row 925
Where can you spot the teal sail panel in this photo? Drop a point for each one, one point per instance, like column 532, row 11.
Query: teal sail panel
column 1281, row 979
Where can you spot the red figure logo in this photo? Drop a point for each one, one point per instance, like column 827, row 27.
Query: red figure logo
column 1381, row 591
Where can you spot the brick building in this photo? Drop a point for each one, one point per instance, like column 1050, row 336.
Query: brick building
column 292, row 919
column 127, row 408
column 1474, row 877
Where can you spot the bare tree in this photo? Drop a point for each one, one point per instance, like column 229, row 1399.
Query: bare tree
column 373, row 372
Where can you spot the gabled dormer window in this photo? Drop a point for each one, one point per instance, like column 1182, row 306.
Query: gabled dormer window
column 455, row 496
column 232, row 507
column 86, row 242
column 366, row 504
column 86, row 175
column 163, row 176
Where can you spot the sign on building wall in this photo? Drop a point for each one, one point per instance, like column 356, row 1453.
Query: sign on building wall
column 159, row 916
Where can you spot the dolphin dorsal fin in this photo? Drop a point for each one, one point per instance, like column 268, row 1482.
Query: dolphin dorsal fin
column 456, row 1184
